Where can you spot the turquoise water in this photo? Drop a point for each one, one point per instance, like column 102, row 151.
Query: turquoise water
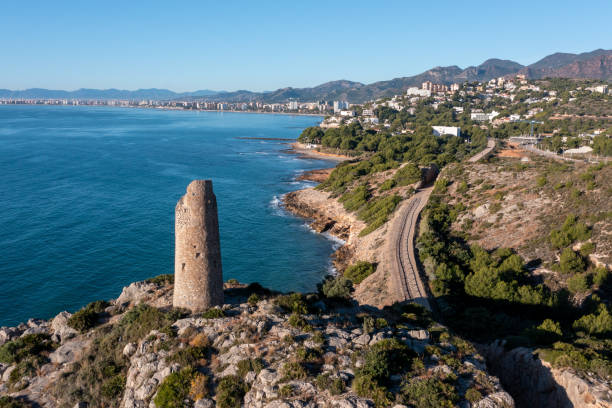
column 88, row 194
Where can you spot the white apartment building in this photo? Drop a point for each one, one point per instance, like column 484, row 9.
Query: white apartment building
column 414, row 91
column 340, row 105
column 446, row 130
column 483, row 117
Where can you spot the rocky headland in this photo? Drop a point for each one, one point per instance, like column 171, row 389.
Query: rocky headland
column 261, row 349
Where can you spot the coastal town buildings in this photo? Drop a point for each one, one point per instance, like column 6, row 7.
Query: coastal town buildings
column 340, row 105
column 418, row 92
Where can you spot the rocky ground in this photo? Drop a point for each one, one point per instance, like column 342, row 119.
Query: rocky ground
column 516, row 204
column 281, row 359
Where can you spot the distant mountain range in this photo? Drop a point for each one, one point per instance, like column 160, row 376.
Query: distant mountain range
column 153, row 93
column 593, row 65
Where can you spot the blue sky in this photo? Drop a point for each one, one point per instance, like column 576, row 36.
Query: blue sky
column 264, row 45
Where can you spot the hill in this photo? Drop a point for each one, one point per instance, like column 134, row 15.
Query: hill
column 102, row 94
column 596, row 64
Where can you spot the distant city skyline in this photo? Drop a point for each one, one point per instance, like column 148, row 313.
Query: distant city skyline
column 268, row 45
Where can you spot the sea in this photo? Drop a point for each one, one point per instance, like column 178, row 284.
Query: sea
column 87, row 197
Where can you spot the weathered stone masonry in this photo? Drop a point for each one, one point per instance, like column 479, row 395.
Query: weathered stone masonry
column 198, row 277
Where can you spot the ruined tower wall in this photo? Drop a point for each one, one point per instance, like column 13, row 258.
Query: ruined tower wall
column 198, row 277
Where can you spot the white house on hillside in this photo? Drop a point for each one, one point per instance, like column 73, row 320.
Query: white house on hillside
column 446, row 130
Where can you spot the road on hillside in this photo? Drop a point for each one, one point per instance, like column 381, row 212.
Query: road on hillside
column 533, row 149
column 483, row 153
column 400, row 250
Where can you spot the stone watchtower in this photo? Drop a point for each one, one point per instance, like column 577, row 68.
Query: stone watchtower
column 198, row 279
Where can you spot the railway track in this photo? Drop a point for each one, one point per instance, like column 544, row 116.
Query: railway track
column 403, row 262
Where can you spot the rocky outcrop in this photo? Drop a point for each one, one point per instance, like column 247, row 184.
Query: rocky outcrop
column 339, row 227
column 534, row 383
column 148, row 368
column 333, row 344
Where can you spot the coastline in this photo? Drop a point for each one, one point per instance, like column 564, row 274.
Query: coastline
column 169, row 108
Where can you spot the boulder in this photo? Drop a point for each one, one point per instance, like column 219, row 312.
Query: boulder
column 69, row 352
column 204, row 403
column 136, row 293
column 129, row 349
column 496, row 400
column 60, row 328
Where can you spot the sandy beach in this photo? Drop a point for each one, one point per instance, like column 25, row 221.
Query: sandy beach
column 303, row 150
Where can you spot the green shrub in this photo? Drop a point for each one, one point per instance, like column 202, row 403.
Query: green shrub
column 472, row 395
column 251, row 364
column 578, row 283
column 285, row 391
column 189, row 356
column 308, row 355
column 571, row 262
column 588, row 176
column 586, row 249
column 494, row 208
column 213, row 313
column 462, row 188
column 356, row 199
column 253, row 299
column 164, row 279
column 231, row 391
column 87, row 318
column 296, row 320
column 572, row 230
column 595, row 323
column 602, row 276
column 293, row 302
column 113, row 387
column 140, row 320
column 440, row 186
column 387, row 185
column 428, row 393
column 376, row 212
column 318, row 337
column 367, row 387
column 339, row 287
column 359, row 271
column 547, row 332
column 541, row 181
column 408, row 174
column 29, row 345
column 12, row 402
column 175, row 389
column 381, row 323
column 335, row 386
column 312, row 134
column 385, row 358
column 293, row 371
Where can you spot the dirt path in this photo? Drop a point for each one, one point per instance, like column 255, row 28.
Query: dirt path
column 487, row 150
column 400, row 250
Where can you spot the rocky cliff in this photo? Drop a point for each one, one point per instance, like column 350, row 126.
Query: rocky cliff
column 534, row 383
column 268, row 351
